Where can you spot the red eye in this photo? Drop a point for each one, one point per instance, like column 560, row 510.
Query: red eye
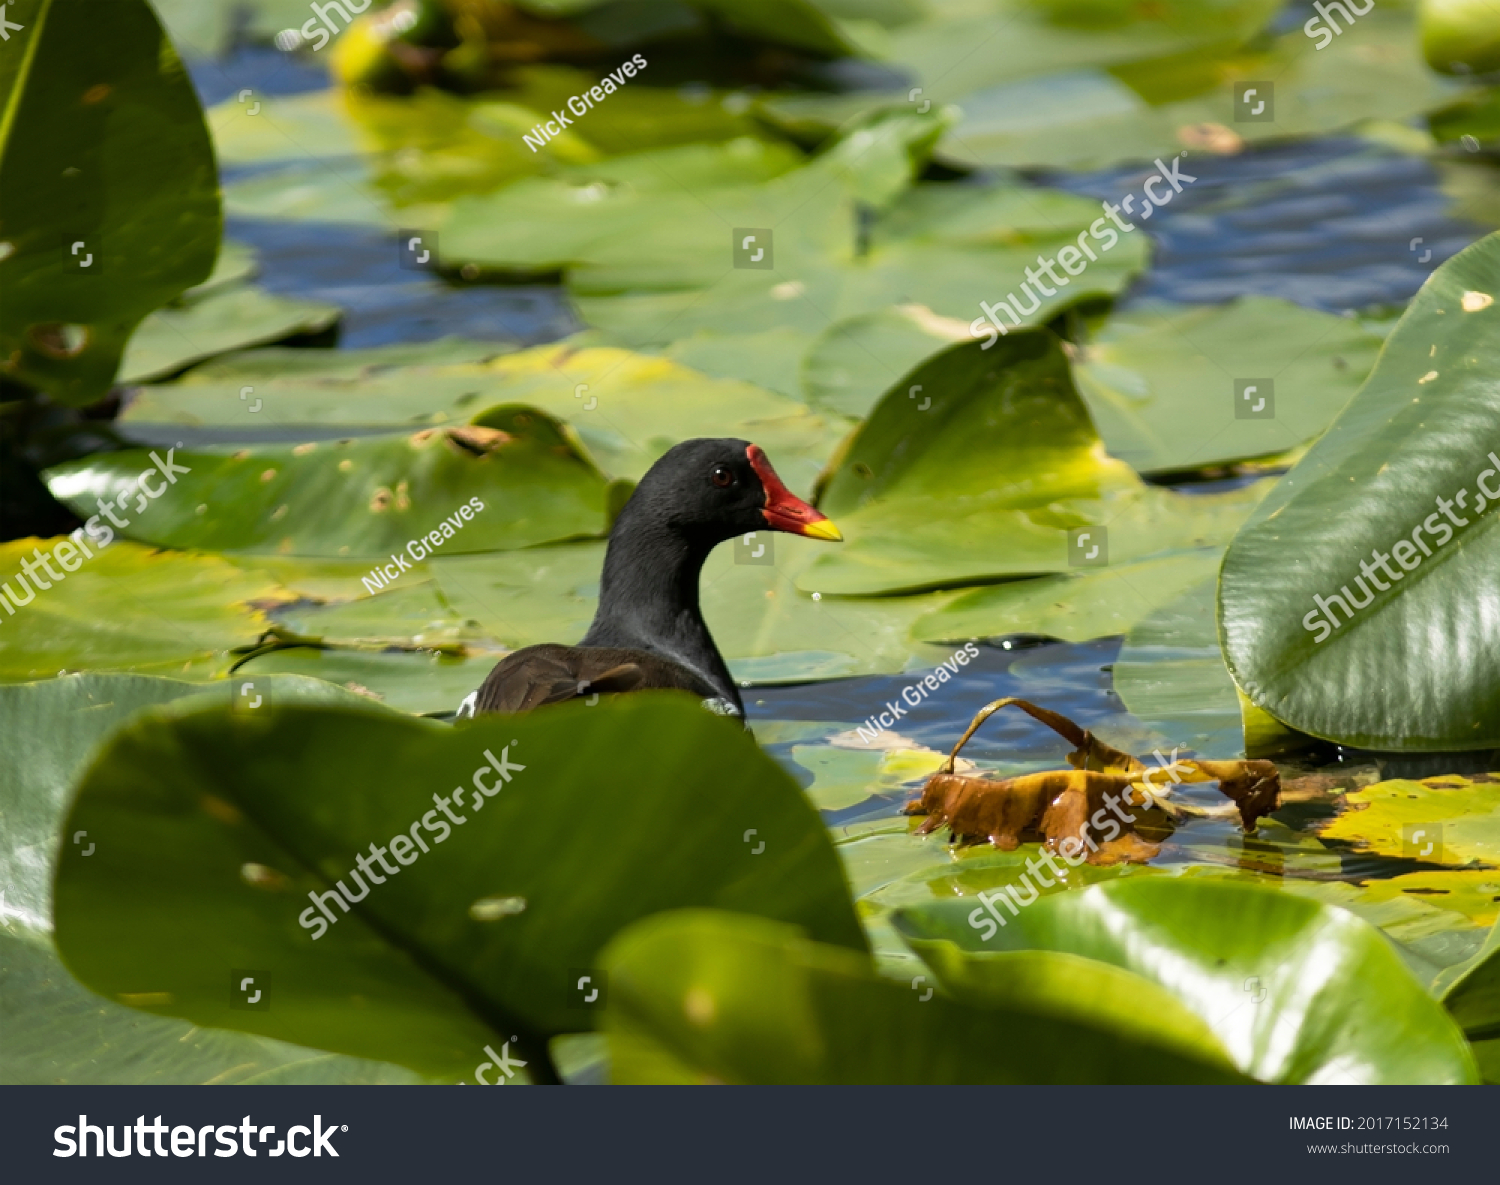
column 722, row 477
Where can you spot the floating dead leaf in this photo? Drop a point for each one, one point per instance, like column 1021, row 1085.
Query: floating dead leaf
column 1099, row 805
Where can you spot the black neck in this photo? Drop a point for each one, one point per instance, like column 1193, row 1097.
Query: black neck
column 648, row 598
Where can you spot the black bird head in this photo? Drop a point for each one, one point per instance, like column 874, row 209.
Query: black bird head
column 710, row 490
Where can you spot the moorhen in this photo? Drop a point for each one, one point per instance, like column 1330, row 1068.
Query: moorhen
column 648, row 632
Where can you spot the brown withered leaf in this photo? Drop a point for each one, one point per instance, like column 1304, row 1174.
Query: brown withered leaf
column 1097, row 805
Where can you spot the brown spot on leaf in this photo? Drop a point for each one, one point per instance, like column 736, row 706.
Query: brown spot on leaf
column 474, row 439
column 1212, row 137
column 380, row 501
column 96, row 94
column 303, row 449
column 268, row 475
column 58, row 339
column 217, row 808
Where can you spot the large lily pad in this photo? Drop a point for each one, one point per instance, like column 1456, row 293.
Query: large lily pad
column 345, row 155
column 626, row 408
column 977, row 465
column 646, row 250
column 1442, row 820
column 1093, row 604
column 226, row 318
column 57, row 1031
column 104, row 161
column 523, row 479
column 1418, row 668
column 1164, row 382
column 1081, row 110
column 1020, row 38
column 134, row 609
column 1473, row 997
column 1297, row 991
column 702, row 996
column 215, row 827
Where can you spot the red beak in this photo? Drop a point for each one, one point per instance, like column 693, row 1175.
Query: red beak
column 785, row 511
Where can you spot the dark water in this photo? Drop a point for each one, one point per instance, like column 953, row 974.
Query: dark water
column 358, row 269
column 1338, row 224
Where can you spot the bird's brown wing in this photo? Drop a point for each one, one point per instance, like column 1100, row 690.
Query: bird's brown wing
column 551, row 674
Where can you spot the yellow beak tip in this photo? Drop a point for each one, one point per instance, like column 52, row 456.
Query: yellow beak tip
column 823, row 529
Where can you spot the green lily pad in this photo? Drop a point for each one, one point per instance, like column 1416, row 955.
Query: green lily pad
column 626, row 408
column 844, row 777
column 1297, row 991
column 644, row 248
column 771, row 359
column 57, row 1031
column 224, row 318
column 1442, row 820
column 1111, row 104
column 130, row 608
column 374, row 155
column 1093, row 604
column 208, row 28
column 1418, row 667
column 421, row 682
column 104, row 161
column 1163, row 382
column 701, row 996
column 986, row 476
column 1090, row 118
column 767, row 630
column 852, row 364
column 1027, row 37
column 523, row 480
column 479, row 940
column 1472, row 995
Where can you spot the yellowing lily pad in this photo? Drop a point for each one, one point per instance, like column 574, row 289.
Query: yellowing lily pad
column 843, row 777
column 130, row 608
column 1443, row 820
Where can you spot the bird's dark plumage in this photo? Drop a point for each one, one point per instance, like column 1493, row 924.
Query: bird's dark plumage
column 648, row 631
